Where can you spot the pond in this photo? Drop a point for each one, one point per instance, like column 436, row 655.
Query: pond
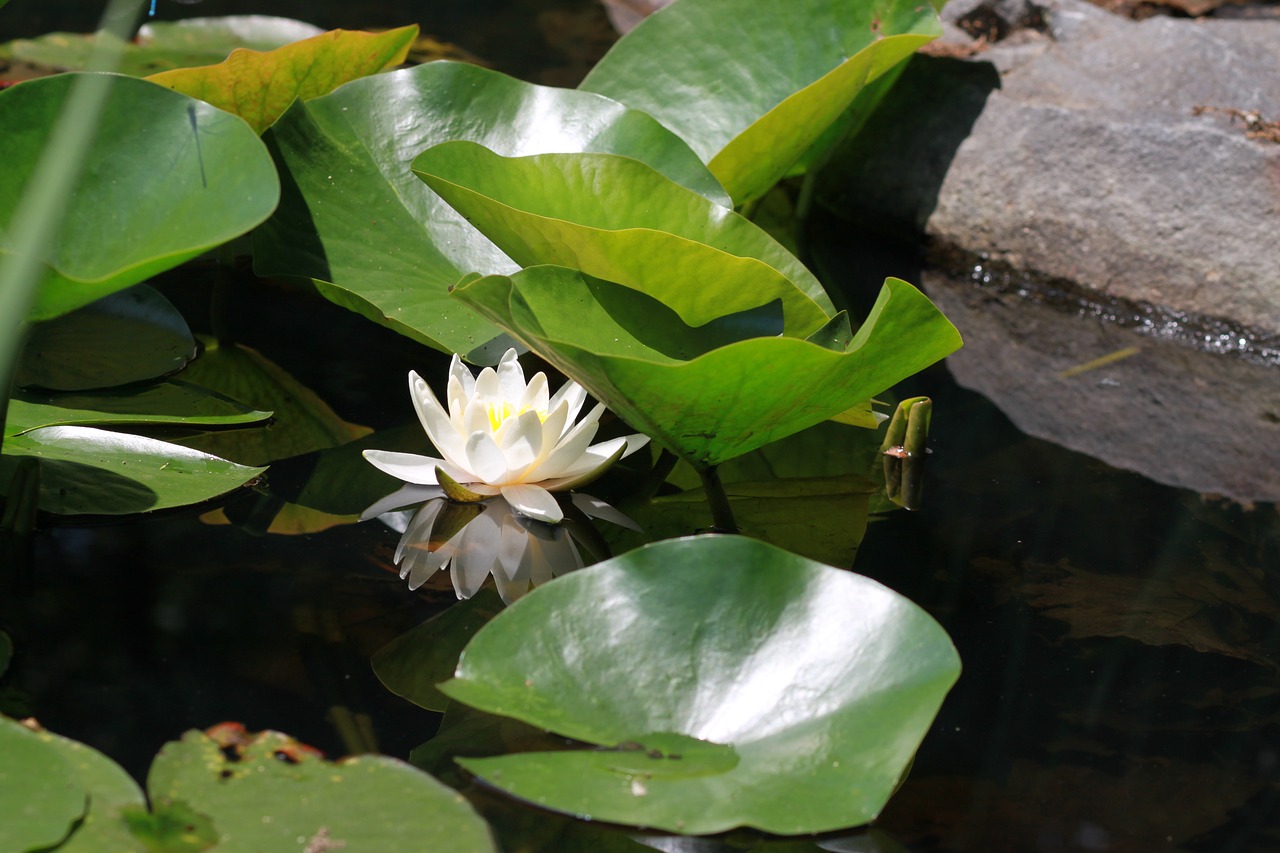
column 1097, row 535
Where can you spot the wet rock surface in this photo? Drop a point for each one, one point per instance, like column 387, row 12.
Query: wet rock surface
column 1063, row 140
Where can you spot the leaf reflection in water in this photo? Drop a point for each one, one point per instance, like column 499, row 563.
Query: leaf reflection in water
column 475, row 540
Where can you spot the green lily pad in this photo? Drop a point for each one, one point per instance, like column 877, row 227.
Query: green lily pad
column 266, row 791
column 617, row 219
column 374, row 239
column 718, row 404
column 753, row 87
column 412, row 664
column 260, row 86
column 129, row 336
column 166, row 178
column 162, row 45
column 42, row 793
column 86, row 471
column 801, row 692
column 172, row 403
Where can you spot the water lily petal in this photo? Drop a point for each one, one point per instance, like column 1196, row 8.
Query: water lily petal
column 418, row 532
column 533, row 501
column 511, row 574
column 413, row 468
column 435, row 420
column 521, row 440
column 458, row 399
column 485, row 459
column 572, row 394
column 552, row 431
column 593, row 462
column 459, row 371
column 572, row 445
column 488, row 387
column 511, row 384
column 535, row 395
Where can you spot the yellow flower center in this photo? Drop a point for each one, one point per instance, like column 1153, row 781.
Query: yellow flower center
column 500, row 410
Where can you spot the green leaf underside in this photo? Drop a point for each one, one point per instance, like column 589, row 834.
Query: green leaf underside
column 731, row 80
column 260, row 86
column 166, row 178
column 172, row 402
column 260, row 801
column 375, row 239
column 727, row 401
column 617, row 219
column 86, row 471
column 810, row 687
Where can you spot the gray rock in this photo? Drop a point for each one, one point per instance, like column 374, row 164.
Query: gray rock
column 1072, row 148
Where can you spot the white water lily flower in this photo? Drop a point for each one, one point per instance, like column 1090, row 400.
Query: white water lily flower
column 503, row 436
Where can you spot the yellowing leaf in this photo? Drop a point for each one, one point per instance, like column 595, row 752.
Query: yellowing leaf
column 260, row 86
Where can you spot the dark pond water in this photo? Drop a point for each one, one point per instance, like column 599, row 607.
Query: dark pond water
column 1116, row 604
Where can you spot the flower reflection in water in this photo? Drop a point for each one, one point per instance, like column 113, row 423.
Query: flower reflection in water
column 474, row 540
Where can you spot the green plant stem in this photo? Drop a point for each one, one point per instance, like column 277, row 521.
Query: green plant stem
column 662, row 469
column 721, row 513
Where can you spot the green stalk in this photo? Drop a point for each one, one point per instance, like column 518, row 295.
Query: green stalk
column 721, row 513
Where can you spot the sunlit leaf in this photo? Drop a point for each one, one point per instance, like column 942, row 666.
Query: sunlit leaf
column 798, row 692
column 753, row 86
column 617, row 219
column 374, row 239
column 167, row 177
column 259, row 87
column 129, row 336
column 266, row 791
column 718, row 404
column 86, row 471
column 162, row 45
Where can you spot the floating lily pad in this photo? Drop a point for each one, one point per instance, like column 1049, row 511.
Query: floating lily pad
column 260, row 86
column 718, row 404
column 42, row 793
column 162, row 45
column 752, row 87
column 171, row 403
column 800, row 692
column 617, row 219
column 374, row 239
column 166, row 177
column 129, row 336
column 265, row 791
column 86, row 471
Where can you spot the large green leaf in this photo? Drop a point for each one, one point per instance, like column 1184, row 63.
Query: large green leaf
column 617, row 219
column 86, row 471
column 374, row 239
column 727, row 683
column 170, row 403
column 166, row 178
column 129, row 336
column 268, row 792
column 162, row 45
column 260, row 86
column 752, row 86
column 42, row 793
column 708, row 406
